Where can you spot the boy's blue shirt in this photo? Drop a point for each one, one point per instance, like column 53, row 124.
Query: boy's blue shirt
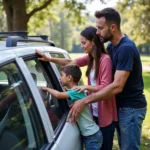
column 74, row 95
column 85, row 120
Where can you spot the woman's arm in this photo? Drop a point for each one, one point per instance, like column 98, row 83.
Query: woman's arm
column 83, row 88
column 60, row 61
column 104, row 76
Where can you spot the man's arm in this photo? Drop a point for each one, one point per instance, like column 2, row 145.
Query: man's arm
column 57, row 94
column 114, row 88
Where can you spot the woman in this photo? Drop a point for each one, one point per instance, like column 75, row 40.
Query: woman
column 99, row 73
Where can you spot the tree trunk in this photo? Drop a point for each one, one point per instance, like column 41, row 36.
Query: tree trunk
column 61, row 30
column 16, row 14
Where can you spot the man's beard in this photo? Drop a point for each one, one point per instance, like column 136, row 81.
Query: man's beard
column 106, row 39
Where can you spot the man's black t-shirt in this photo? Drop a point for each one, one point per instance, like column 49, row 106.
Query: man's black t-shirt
column 125, row 56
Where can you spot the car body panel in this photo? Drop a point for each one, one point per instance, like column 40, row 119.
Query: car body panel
column 71, row 140
column 69, row 135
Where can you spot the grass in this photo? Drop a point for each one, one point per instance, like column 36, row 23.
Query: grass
column 145, row 140
column 145, row 144
column 145, row 60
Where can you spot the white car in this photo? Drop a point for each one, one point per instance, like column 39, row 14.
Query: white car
column 29, row 117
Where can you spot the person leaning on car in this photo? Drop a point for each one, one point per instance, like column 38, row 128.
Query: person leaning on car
column 128, row 82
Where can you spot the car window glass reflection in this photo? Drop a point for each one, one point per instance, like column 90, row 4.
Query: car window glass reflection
column 57, row 55
column 18, row 115
column 42, row 79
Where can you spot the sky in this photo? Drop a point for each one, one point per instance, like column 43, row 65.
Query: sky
column 97, row 5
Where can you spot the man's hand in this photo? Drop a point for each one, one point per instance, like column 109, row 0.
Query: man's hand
column 43, row 56
column 75, row 110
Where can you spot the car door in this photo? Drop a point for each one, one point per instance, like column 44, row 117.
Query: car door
column 75, row 135
column 21, row 124
column 46, row 75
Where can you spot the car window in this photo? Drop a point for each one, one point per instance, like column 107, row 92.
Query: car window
column 20, row 124
column 57, row 55
column 44, row 78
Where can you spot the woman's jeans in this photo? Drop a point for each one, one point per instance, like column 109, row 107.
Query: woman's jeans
column 93, row 142
column 129, row 127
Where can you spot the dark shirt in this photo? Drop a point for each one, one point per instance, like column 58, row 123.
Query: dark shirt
column 125, row 56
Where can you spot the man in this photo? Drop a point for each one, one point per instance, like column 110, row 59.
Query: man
column 128, row 82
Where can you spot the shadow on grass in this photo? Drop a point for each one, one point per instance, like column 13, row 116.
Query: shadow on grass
column 145, row 143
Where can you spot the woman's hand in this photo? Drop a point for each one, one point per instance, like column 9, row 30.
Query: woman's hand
column 43, row 56
column 81, row 88
column 86, row 88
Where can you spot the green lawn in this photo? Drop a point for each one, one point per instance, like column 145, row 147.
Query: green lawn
column 145, row 60
column 146, row 125
column 145, row 141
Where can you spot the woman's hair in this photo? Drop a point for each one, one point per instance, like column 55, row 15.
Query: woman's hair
column 90, row 34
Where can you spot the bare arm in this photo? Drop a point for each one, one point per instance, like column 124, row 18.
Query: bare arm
column 57, row 94
column 60, row 61
column 114, row 88
column 89, row 88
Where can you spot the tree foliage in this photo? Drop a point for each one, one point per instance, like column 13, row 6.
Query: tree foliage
column 136, row 19
column 20, row 12
column 64, row 33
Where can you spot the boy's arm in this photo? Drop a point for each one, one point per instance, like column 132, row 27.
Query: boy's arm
column 57, row 94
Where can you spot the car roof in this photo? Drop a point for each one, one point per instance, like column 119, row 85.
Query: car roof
column 26, row 47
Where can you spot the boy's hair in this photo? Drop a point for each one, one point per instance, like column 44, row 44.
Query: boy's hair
column 74, row 71
column 111, row 15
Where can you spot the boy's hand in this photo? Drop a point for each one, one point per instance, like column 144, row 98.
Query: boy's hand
column 43, row 56
column 44, row 89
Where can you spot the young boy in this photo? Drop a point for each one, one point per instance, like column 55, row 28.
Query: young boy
column 70, row 76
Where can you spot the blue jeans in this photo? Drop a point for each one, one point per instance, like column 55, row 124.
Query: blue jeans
column 129, row 127
column 93, row 142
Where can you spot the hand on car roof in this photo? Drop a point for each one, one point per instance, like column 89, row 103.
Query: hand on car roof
column 43, row 56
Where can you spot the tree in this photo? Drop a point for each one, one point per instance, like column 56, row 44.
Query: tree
column 19, row 12
column 2, row 21
column 62, row 32
column 136, row 19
